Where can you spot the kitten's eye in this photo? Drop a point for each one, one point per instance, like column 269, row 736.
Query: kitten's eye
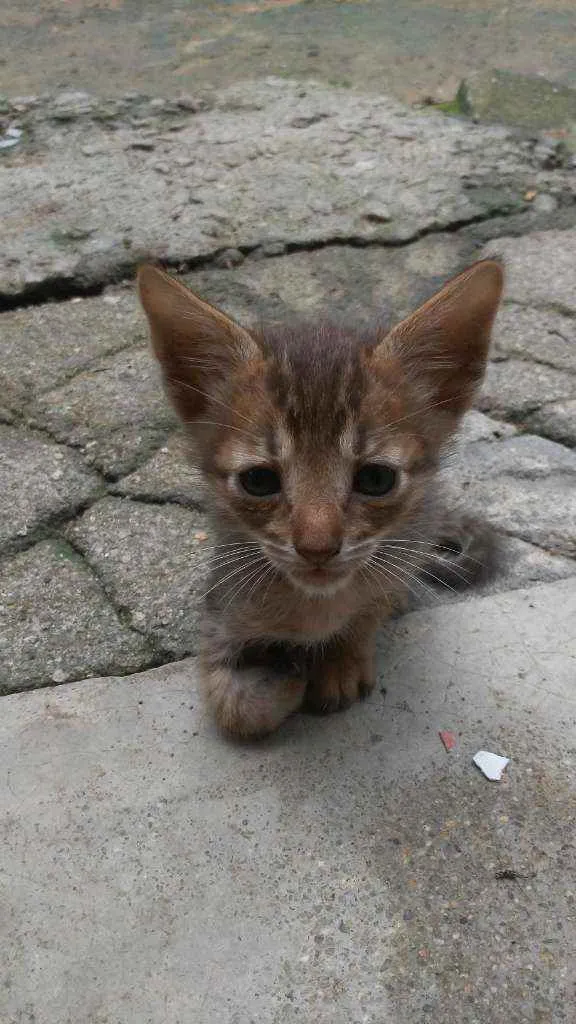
column 260, row 481
column 375, row 479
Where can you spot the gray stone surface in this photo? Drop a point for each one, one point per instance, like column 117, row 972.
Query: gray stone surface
column 167, row 477
column 557, row 420
column 524, row 486
column 542, row 335
column 115, row 412
column 347, row 871
column 476, row 426
column 540, row 269
column 516, row 388
column 39, row 481
column 82, row 199
column 42, row 346
column 56, row 623
column 153, row 561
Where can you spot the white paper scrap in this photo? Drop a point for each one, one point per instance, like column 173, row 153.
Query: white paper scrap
column 491, row 765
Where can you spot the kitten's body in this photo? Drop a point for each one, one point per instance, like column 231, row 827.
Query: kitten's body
column 320, row 449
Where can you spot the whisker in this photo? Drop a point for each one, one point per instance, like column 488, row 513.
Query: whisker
column 401, row 567
column 241, row 568
column 237, row 590
column 386, row 572
column 435, row 558
column 216, row 423
column 402, row 560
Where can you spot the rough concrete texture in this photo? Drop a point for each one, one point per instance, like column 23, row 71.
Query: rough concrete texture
column 347, row 871
column 525, row 486
column 540, row 269
column 95, row 186
column 115, row 412
column 167, row 477
column 39, row 481
column 56, row 622
column 153, row 560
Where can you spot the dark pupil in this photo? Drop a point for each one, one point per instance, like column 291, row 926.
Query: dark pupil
column 261, row 482
column 374, row 479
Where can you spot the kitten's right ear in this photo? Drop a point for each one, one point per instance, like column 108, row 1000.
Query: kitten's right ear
column 197, row 346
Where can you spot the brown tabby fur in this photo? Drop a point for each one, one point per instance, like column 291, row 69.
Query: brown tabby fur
column 302, row 579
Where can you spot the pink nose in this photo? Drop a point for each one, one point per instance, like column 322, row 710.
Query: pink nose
column 317, row 533
column 319, row 555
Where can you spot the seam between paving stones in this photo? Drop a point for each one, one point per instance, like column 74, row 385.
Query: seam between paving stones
column 60, row 289
column 121, row 611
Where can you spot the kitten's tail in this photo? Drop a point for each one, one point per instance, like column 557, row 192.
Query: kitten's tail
column 466, row 552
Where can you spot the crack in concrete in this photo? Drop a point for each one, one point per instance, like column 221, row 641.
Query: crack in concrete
column 61, row 289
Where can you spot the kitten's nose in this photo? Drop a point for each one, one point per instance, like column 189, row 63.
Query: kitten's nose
column 317, row 534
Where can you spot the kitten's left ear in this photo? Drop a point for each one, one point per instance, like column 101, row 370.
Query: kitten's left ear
column 198, row 347
column 444, row 344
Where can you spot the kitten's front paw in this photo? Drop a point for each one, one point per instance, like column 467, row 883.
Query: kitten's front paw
column 337, row 681
column 250, row 702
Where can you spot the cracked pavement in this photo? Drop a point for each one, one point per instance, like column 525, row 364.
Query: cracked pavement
column 276, row 199
column 349, row 871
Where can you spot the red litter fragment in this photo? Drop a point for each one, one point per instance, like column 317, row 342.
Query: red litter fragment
column 448, row 738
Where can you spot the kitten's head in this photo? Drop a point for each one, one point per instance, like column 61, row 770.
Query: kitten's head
column 316, row 442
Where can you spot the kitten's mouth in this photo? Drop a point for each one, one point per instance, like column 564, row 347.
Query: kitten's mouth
column 320, row 579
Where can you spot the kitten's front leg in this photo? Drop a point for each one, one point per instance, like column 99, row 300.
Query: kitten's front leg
column 344, row 670
column 246, row 700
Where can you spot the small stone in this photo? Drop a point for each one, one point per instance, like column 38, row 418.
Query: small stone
column 229, row 258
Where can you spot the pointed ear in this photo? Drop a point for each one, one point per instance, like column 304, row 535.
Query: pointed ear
column 197, row 346
column 444, row 344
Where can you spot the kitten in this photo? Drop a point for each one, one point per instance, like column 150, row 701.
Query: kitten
column 320, row 448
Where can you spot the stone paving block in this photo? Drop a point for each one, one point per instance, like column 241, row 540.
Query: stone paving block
column 167, row 476
column 477, row 427
column 541, row 335
column 56, row 624
column 44, row 345
column 524, row 486
column 515, row 388
column 272, row 162
column 153, row 561
column 355, row 284
column 557, row 421
column 116, row 412
column 39, row 481
column 348, row 870
column 540, row 269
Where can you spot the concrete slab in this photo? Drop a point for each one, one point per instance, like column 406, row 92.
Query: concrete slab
column 348, row 870
column 272, row 162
